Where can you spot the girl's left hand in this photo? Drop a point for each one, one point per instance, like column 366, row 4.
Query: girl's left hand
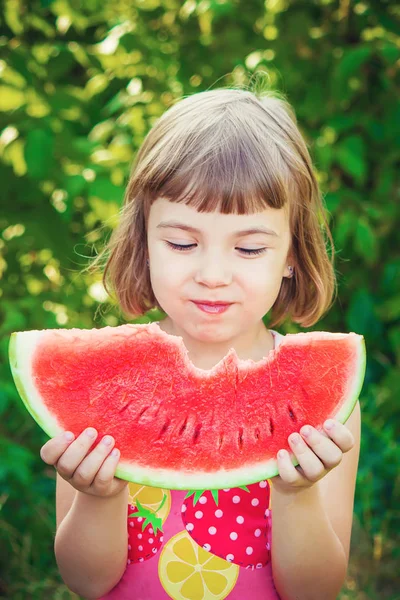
column 317, row 453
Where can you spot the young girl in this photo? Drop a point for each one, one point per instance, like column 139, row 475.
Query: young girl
column 222, row 206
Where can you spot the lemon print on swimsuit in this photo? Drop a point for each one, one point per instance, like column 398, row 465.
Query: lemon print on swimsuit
column 188, row 572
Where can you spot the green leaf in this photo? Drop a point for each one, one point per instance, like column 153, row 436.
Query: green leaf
column 149, row 516
column 350, row 154
column 361, row 317
column 75, row 185
column 10, row 98
column 39, row 153
column 366, row 241
column 198, row 493
column 104, row 189
column 345, row 225
column 352, row 60
column 214, row 494
column 332, row 201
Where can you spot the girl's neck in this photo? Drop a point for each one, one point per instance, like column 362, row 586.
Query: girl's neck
column 254, row 345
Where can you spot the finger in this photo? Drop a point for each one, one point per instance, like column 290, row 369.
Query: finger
column 340, row 434
column 76, row 452
column 287, row 469
column 106, row 473
column 312, row 467
column 89, row 467
column 51, row 451
column 322, row 447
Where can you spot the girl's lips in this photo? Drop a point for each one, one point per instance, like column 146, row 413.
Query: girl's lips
column 212, row 308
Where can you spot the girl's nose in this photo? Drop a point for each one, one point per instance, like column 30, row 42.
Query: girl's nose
column 213, row 272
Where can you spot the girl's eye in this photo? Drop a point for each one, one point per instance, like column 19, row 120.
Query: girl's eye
column 245, row 250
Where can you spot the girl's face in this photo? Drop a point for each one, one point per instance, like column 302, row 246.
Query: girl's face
column 217, row 266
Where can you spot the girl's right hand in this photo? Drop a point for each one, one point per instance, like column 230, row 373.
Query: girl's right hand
column 88, row 472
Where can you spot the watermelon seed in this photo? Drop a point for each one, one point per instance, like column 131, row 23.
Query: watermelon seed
column 158, row 409
column 271, row 426
column 257, row 432
column 240, row 438
column 182, row 429
column 196, row 433
column 292, row 415
column 164, row 428
column 221, row 439
column 142, row 412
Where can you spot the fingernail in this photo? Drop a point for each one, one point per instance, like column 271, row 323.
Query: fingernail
column 282, row 453
column 115, row 452
column 295, row 439
column 107, row 440
column 306, row 430
column 329, row 424
column 91, row 432
column 69, row 436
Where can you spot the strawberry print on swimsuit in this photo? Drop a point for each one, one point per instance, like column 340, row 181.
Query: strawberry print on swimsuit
column 233, row 524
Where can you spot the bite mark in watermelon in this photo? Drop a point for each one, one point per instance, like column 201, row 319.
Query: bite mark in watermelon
column 178, row 426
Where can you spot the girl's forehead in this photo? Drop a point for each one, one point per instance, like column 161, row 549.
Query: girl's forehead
column 273, row 221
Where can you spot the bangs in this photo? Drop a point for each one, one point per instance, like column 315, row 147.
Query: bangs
column 229, row 166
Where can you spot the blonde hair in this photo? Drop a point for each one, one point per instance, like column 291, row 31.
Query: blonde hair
column 235, row 151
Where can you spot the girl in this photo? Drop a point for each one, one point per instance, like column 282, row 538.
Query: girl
column 222, row 206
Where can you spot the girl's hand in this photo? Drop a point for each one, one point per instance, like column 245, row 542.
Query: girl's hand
column 317, row 453
column 91, row 472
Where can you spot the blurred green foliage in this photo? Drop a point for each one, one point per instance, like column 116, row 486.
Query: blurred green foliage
column 80, row 85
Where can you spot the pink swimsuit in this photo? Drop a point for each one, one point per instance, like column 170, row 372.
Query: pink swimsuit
column 204, row 550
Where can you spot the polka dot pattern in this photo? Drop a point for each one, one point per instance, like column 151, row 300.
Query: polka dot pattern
column 240, row 520
column 234, row 527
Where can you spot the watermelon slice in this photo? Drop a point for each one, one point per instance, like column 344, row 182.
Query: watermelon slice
column 178, row 426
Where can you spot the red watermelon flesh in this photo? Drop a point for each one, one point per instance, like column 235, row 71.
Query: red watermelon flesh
column 178, row 426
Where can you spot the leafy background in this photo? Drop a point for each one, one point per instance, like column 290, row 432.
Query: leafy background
column 80, row 85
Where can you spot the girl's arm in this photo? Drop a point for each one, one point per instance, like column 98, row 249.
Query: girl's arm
column 311, row 529
column 91, row 543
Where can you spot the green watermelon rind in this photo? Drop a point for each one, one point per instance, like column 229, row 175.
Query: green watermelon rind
column 49, row 425
column 166, row 478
